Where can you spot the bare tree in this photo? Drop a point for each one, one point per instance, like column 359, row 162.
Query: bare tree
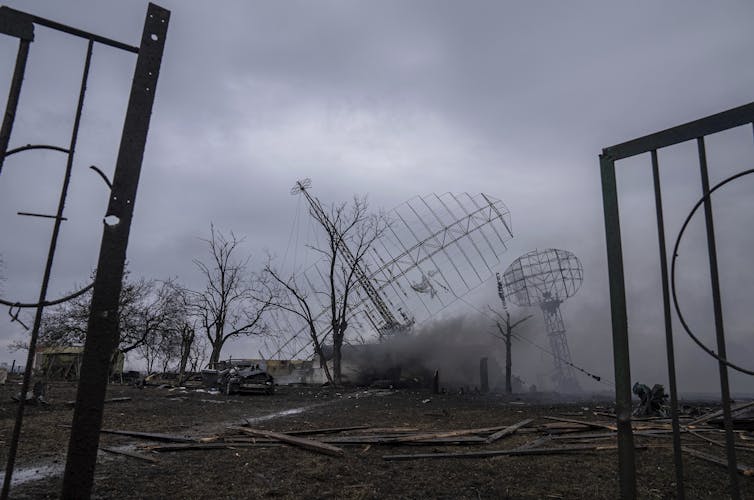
column 232, row 302
column 350, row 231
column 142, row 315
column 505, row 331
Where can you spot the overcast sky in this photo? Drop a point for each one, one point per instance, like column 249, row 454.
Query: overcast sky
column 395, row 99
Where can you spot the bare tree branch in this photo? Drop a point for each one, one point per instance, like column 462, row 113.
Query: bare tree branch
column 232, row 302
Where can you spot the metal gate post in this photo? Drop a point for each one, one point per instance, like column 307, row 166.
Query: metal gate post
column 619, row 319
column 102, row 336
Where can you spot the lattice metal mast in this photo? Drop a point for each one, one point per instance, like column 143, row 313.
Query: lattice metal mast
column 546, row 278
column 366, row 284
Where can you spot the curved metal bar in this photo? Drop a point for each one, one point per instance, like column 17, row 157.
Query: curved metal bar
column 36, row 146
column 676, row 305
column 46, row 303
column 102, row 174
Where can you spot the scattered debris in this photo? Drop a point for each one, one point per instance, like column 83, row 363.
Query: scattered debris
column 131, row 454
column 742, row 417
column 308, row 444
column 584, row 423
column 111, row 400
column 150, row 435
column 508, row 430
column 327, row 430
column 36, row 396
column 514, row 451
column 239, row 376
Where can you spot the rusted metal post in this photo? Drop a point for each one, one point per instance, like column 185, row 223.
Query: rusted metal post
column 619, row 320
column 102, row 337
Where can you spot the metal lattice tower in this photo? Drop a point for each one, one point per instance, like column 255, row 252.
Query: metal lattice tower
column 389, row 321
column 437, row 248
column 545, row 278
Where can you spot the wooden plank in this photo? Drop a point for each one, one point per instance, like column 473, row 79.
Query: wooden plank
column 739, row 446
column 508, row 430
column 715, row 414
column 391, row 441
column 445, row 434
column 307, row 444
column 359, row 440
column 511, row 452
column 392, row 430
column 535, row 443
column 743, row 469
column 209, row 446
column 584, row 422
column 131, row 454
column 585, row 435
column 150, row 435
column 326, row 430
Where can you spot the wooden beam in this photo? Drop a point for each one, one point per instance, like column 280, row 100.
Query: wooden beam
column 131, row 454
column 307, row 444
column 508, row 430
column 583, row 422
column 150, row 435
column 511, row 452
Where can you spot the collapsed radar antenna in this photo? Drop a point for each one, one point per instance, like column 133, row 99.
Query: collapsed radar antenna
column 546, row 278
column 437, row 248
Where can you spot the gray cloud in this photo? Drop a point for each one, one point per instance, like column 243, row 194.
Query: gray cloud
column 394, row 99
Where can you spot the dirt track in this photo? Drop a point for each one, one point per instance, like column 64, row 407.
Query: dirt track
column 288, row 472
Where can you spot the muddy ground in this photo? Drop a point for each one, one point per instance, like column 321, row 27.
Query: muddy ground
column 290, row 472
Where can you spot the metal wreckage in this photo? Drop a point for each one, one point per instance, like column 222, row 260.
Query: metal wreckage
column 239, row 376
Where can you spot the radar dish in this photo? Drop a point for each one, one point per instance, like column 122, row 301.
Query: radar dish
column 545, row 278
column 543, row 275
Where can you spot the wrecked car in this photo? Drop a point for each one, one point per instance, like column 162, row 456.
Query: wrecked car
column 239, row 376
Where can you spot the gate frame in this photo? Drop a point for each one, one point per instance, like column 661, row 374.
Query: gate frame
column 694, row 130
column 103, row 316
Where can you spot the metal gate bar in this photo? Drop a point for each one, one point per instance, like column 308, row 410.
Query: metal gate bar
column 670, row 351
column 695, row 130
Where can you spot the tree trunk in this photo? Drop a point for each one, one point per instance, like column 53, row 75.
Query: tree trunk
column 185, row 351
column 508, row 385
column 323, row 361
column 337, row 344
column 216, row 348
column 187, row 342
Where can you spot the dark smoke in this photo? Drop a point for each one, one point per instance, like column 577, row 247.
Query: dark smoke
column 453, row 346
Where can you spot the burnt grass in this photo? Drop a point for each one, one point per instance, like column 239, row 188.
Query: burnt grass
column 289, row 472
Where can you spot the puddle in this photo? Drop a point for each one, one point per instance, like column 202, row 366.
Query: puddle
column 22, row 475
column 284, row 413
